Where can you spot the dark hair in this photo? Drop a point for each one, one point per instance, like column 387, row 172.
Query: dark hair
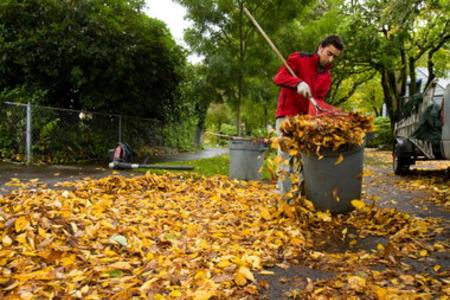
column 334, row 40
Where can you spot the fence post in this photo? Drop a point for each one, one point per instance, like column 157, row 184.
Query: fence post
column 120, row 128
column 28, row 135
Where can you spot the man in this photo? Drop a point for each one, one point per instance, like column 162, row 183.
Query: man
column 313, row 79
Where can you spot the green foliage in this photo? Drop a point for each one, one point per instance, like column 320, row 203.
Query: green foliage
column 103, row 55
column 234, row 51
column 218, row 114
column 368, row 98
column 228, row 129
column 96, row 55
column 10, row 143
column 382, row 136
column 392, row 38
column 218, row 165
column 23, row 94
column 180, row 135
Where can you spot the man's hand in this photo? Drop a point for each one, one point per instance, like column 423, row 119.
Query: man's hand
column 303, row 89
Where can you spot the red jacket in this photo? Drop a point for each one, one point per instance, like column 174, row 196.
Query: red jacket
column 307, row 68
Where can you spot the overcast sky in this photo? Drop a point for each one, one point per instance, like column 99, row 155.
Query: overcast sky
column 171, row 13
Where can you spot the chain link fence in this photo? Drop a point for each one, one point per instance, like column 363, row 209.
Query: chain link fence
column 35, row 133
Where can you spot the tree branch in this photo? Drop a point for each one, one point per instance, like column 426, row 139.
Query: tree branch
column 354, row 87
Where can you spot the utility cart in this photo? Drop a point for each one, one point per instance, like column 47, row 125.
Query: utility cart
column 422, row 130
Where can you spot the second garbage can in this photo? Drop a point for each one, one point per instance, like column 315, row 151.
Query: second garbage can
column 246, row 158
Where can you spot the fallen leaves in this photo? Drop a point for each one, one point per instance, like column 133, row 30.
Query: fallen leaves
column 313, row 134
column 149, row 236
column 172, row 237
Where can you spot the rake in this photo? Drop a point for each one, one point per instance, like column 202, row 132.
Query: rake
column 319, row 110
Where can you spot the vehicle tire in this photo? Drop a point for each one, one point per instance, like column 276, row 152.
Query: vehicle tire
column 400, row 164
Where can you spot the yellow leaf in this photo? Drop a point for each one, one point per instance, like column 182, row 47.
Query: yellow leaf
column 109, row 252
column 148, row 285
column 381, row 293
column 358, row 204
column 356, row 283
column 423, row 253
column 200, row 276
column 265, row 272
column 324, row 216
column 121, row 265
column 408, row 279
column 265, row 214
column 316, row 254
column 175, row 293
column 244, row 271
column 68, row 260
column 239, row 279
column 335, row 195
column 6, row 240
column 339, row 159
column 223, row 263
column 203, row 295
column 380, row 247
column 21, row 224
column 309, row 204
column 436, row 268
column 293, row 152
column 277, row 160
column 252, row 260
column 275, row 144
column 297, row 241
column 22, row 238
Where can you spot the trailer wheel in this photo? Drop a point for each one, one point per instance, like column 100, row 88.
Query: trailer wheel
column 399, row 162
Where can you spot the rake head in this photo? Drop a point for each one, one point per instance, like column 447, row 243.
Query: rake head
column 321, row 108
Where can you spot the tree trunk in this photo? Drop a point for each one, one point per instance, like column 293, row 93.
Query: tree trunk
column 389, row 94
column 240, row 77
column 198, row 135
column 403, row 74
column 412, row 77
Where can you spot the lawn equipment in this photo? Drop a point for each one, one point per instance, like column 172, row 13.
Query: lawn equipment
column 122, row 155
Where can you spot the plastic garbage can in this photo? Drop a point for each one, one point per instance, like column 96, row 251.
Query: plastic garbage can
column 246, row 158
column 331, row 185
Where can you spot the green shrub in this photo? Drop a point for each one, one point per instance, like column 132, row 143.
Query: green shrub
column 382, row 136
column 228, row 129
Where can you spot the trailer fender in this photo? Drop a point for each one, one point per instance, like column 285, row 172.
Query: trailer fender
column 404, row 145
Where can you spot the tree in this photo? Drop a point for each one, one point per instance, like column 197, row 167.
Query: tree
column 103, row 55
column 233, row 50
column 197, row 94
column 392, row 37
column 368, row 97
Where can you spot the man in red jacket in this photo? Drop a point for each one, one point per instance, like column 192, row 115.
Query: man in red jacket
column 313, row 79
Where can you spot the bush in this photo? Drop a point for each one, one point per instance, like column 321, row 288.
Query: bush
column 382, row 136
column 228, row 129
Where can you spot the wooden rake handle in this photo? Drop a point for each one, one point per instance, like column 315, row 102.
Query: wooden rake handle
column 277, row 52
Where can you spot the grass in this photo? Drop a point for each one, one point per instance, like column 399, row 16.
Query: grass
column 219, row 165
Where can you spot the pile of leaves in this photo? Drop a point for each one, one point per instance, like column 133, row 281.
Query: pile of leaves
column 174, row 237
column 150, row 236
column 306, row 133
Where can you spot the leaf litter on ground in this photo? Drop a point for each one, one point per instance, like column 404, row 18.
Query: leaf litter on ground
column 174, row 237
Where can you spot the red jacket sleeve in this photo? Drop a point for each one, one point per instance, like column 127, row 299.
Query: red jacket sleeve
column 284, row 78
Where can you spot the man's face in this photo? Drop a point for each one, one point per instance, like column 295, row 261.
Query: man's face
column 328, row 54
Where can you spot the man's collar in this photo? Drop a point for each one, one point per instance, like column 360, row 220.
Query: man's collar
column 320, row 68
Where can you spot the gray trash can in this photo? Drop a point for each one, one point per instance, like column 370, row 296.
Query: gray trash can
column 332, row 186
column 246, row 158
